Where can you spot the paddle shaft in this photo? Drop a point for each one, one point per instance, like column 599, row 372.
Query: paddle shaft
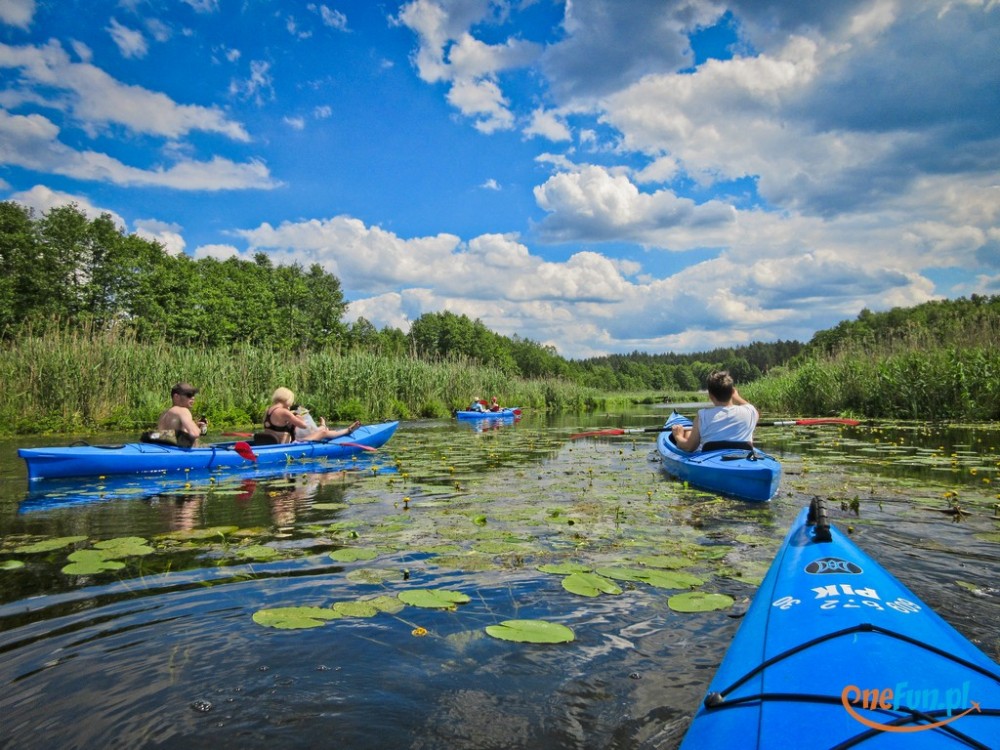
column 780, row 423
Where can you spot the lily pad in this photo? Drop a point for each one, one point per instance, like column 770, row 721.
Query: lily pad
column 589, row 584
column 89, row 562
column 699, row 601
column 564, row 569
column 433, row 598
column 48, row 545
column 11, row 565
column 531, row 631
column 355, row 609
column 673, row 579
column 257, row 552
column 127, row 546
column 294, row 618
column 353, row 554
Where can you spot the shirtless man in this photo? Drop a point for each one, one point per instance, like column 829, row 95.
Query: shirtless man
column 178, row 417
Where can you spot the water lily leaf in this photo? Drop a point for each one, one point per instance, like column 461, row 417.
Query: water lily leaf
column 665, row 561
column 673, row 579
column 257, row 552
column 330, row 506
column 374, row 575
column 11, row 565
column 294, row 618
column 623, row 574
column 127, row 546
column 355, row 609
column 564, row 569
column 531, row 631
column 699, row 601
column 386, row 603
column 88, row 562
column 209, row 533
column 589, row 584
column 48, row 545
column 433, row 598
column 353, row 554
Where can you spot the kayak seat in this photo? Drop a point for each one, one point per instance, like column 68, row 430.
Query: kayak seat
column 264, row 438
column 716, row 445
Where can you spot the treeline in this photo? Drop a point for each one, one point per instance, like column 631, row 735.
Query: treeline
column 67, row 272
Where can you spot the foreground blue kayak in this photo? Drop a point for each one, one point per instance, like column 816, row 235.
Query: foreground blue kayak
column 144, row 458
column 507, row 413
column 740, row 473
column 834, row 652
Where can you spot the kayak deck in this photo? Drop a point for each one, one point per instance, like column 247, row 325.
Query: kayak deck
column 836, row 653
column 143, row 458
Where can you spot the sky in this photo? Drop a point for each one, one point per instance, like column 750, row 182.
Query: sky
column 601, row 176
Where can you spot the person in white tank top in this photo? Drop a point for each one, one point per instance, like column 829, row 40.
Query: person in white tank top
column 731, row 418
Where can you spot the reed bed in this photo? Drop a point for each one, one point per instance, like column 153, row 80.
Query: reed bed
column 74, row 381
column 946, row 383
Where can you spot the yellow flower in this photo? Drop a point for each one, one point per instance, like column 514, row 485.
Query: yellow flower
column 419, row 632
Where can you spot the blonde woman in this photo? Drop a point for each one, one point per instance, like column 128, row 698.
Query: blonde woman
column 280, row 421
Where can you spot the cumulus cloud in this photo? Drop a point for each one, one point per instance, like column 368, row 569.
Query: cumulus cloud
column 166, row 233
column 43, row 199
column 130, row 43
column 17, row 13
column 96, row 99
column 31, row 141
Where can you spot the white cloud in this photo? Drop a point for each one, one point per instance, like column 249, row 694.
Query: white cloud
column 490, row 184
column 167, row 234
column 43, row 199
column 547, row 124
column 19, row 13
column 96, row 99
column 258, row 87
column 331, row 17
column 203, row 6
column 130, row 43
column 31, row 141
column 295, row 123
column 219, row 252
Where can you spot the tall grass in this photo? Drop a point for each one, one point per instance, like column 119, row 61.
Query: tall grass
column 78, row 380
column 898, row 383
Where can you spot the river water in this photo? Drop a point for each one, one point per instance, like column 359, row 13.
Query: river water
column 163, row 651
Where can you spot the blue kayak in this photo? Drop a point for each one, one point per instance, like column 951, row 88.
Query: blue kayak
column 144, row 458
column 740, row 473
column 511, row 412
column 834, row 652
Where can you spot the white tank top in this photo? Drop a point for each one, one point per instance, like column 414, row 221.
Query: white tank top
column 735, row 423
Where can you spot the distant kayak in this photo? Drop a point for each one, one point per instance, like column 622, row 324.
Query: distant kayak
column 738, row 472
column 512, row 412
column 834, row 652
column 144, row 458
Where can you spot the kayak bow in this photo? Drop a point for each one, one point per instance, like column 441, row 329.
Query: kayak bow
column 836, row 653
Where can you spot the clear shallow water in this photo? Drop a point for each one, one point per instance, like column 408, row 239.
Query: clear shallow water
column 165, row 653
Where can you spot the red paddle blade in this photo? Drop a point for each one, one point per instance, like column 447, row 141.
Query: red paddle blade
column 597, row 432
column 359, row 445
column 237, row 434
column 245, row 451
column 517, row 412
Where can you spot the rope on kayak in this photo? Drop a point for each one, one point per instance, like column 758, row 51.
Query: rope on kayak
column 911, row 716
column 88, row 445
column 718, row 698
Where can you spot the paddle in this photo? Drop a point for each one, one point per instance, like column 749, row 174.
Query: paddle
column 782, row 423
column 245, row 451
column 250, row 434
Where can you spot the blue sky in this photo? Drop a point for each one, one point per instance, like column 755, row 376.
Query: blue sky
column 598, row 175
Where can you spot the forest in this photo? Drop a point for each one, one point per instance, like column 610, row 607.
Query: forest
column 75, row 290
column 65, row 270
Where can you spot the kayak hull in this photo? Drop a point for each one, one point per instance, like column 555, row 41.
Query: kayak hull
column 726, row 471
column 831, row 630
column 511, row 414
column 147, row 458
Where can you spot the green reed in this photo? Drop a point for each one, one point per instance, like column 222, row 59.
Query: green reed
column 82, row 380
column 902, row 383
